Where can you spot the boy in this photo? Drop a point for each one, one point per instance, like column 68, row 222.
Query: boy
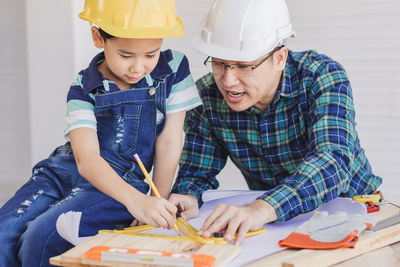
column 131, row 99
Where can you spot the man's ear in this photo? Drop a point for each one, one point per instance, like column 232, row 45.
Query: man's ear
column 279, row 58
column 98, row 40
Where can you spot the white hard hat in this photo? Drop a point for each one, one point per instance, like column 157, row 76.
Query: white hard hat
column 243, row 30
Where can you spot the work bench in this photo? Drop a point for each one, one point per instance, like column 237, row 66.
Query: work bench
column 374, row 248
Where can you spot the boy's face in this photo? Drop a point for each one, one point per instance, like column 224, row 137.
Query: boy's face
column 127, row 60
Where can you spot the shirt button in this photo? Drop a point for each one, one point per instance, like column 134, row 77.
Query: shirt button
column 291, row 213
column 152, row 91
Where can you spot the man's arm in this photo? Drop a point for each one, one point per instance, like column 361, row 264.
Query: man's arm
column 330, row 164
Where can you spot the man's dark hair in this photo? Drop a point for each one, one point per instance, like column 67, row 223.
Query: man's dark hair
column 105, row 35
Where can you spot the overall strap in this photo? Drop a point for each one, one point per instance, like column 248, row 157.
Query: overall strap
column 160, row 98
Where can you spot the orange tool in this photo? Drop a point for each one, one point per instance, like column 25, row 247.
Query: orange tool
column 146, row 256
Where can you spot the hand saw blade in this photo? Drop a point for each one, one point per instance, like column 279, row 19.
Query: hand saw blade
column 395, row 219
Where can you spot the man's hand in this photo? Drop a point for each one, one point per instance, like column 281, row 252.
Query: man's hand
column 238, row 220
column 186, row 204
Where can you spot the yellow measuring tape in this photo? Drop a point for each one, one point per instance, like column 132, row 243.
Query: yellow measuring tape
column 189, row 233
column 364, row 198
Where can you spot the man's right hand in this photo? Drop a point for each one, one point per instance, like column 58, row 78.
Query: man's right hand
column 186, row 204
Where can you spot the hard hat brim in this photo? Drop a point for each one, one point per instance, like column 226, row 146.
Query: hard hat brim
column 233, row 54
column 175, row 31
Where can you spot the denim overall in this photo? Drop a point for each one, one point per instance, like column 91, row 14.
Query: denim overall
column 126, row 124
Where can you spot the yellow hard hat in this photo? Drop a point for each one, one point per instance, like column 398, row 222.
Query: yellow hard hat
column 135, row 18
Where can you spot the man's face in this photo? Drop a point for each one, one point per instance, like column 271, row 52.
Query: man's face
column 244, row 89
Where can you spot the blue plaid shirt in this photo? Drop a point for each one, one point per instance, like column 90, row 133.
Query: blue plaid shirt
column 303, row 148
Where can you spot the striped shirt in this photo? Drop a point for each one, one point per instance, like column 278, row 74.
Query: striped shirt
column 303, row 149
column 81, row 96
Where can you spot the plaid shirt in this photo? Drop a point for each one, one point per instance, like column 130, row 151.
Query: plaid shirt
column 303, row 149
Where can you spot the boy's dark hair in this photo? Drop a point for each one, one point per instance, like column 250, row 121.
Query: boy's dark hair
column 105, row 35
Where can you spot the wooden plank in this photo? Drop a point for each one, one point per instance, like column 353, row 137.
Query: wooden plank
column 380, row 257
column 224, row 253
column 368, row 241
column 273, row 260
column 396, row 250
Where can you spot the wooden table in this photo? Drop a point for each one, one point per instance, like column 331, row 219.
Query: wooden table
column 373, row 249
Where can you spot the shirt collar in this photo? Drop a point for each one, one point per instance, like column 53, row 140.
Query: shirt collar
column 288, row 86
column 162, row 69
column 91, row 77
column 289, row 83
column 95, row 81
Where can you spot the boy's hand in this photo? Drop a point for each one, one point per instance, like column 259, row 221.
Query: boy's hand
column 136, row 223
column 186, row 204
column 155, row 211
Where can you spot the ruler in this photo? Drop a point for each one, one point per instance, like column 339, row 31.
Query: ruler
column 187, row 231
column 146, row 256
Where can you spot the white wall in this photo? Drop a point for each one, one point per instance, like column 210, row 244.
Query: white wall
column 364, row 36
column 14, row 108
column 361, row 34
column 50, row 71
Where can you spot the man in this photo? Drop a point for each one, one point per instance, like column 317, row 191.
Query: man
column 286, row 119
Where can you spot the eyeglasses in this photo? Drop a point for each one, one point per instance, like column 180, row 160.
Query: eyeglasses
column 239, row 69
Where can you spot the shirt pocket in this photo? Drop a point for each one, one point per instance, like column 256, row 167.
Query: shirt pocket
column 118, row 126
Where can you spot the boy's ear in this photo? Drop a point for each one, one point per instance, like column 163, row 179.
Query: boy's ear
column 98, row 40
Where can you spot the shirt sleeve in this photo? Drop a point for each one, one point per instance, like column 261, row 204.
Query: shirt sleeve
column 202, row 158
column 184, row 94
column 326, row 170
column 80, row 108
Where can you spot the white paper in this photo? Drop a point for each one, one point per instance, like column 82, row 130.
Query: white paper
column 218, row 194
column 256, row 247
column 252, row 248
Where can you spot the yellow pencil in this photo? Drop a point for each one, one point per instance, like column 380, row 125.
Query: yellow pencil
column 150, row 181
column 146, row 174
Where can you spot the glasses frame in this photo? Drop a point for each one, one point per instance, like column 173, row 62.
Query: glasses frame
column 233, row 66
